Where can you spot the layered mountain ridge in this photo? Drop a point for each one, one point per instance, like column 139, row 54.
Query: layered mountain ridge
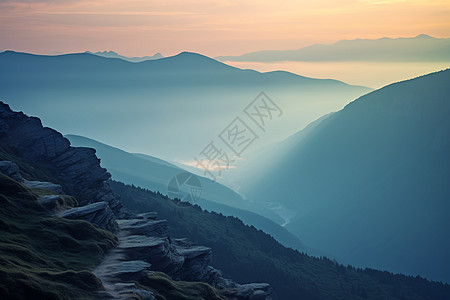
column 422, row 48
column 245, row 251
column 371, row 181
column 158, row 99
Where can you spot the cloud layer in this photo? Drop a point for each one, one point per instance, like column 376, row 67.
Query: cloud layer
column 221, row 27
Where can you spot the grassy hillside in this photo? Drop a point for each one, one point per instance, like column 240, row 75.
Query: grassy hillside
column 248, row 255
column 43, row 257
column 164, row 288
column 46, row 257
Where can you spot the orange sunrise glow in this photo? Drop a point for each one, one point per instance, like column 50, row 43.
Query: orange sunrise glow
column 138, row 28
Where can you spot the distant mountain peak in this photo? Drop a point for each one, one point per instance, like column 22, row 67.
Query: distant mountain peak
column 197, row 59
column 401, row 49
column 105, row 52
column 192, row 54
column 424, row 36
column 113, row 54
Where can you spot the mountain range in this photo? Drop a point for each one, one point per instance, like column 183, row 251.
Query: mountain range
column 110, row 242
column 370, row 183
column 112, row 54
column 187, row 98
column 422, row 48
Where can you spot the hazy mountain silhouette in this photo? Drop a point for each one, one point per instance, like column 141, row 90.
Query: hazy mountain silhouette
column 370, row 183
column 420, row 48
column 112, row 54
column 154, row 174
column 184, row 100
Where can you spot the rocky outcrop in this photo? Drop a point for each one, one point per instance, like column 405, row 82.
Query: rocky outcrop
column 146, row 216
column 125, row 270
column 146, row 227
column 253, row 291
column 43, row 185
column 157, row 251
column 196, row 260
column 145, row 245
column 10, row 169
column 77, row 169
column 145, row 238
column 116, row 275
column 97, row 213
column 58, row 203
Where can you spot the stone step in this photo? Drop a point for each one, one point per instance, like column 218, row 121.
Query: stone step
column 98, row 213
column 145, row 226
column 125, row 270
column 153, row 215
column 157, row 251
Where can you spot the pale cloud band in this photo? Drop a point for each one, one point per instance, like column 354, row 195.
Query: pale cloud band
column 214, row 28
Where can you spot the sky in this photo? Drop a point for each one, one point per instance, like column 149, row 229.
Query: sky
column 213, row 27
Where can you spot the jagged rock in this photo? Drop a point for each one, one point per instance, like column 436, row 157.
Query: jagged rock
column 43, row 185
column 196, row 260
column 215, row 278
column 259, row 295
column 144, row 294
column 58, row 203
column 78, row 169
column 52, row 202
column 193, row 252
column 147, row 216
column 127, row 270
column 49, row 200
column 147, row 227
column 251, row 291
column 144, row 240
column 124, row 214
column 98, row 213
column 3, row 127
column 156, row 250
column 244, row 293
column 183, row 242
column 10, row 169
column 257, row 286
column 254, row 291
column 115, row 268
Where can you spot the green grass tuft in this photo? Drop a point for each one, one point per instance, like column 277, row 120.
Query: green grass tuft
column 165, row 288
column 42, row 256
